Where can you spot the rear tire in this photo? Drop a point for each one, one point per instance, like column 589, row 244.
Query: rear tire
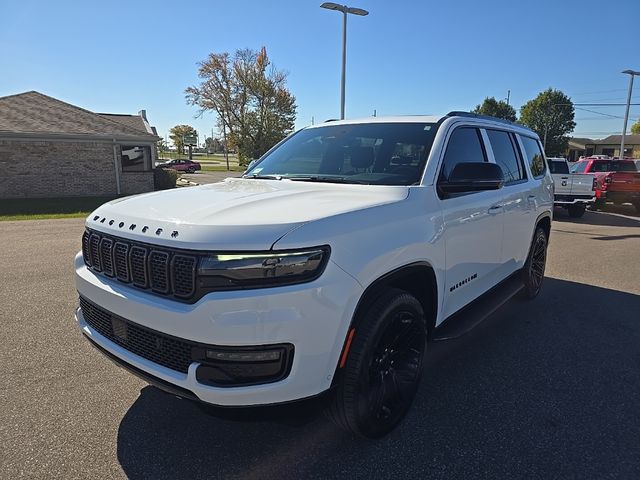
column 577, row 210
column 382, row 372
column 533, row 270
column 637, row 205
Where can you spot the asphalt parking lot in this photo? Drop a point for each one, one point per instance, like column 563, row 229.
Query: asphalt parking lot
column 547, row 389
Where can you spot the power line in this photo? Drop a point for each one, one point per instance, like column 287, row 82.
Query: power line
column 598, row 113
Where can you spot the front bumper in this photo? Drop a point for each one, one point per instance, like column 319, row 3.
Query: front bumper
column 313, row 317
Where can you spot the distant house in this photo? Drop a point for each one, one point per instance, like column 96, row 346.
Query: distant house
column 49, row 148
column 607, row 146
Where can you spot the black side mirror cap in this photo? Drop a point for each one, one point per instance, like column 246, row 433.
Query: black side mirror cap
column 473, row 177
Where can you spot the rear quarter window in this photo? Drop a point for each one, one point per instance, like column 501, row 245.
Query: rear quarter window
column 534, row 156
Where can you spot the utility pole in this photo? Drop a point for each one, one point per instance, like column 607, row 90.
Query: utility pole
column 508, row 96
column 631, row 74
column 224, row 139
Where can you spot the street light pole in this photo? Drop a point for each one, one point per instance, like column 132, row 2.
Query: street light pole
column 631, row 74
column 345, row 10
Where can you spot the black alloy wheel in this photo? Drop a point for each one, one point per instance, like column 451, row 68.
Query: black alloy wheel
column 383, row 367
column 535, row 264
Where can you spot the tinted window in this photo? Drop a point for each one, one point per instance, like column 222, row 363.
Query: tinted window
column 374, row 153
column 464, row 146
column 612, row 166
column 557, row 166
column 534, row 156
column 505, row 155
column 579, row 167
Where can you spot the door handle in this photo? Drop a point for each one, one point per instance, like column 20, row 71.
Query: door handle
column 495, row 209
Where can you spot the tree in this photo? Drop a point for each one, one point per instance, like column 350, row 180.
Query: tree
column 635, row 128
column 496, row 108
column 162, row 146
column 213, row 145
column 178, row 133
column 250, row 98
column 551, row 116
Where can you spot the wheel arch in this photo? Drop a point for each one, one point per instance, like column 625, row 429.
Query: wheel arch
column 417, row 278
column 543, row 221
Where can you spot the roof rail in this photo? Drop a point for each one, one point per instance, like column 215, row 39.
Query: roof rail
column 486, row 117
column 331, row 120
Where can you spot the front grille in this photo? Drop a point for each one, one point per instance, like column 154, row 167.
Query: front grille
column 167, row 272
column 157, row 347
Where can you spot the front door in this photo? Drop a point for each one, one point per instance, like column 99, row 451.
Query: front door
column 473, row 225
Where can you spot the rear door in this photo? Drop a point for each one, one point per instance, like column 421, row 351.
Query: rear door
column 473, row 224
column 519, row 210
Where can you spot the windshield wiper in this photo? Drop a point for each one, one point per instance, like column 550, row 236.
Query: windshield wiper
column 257, row 176
column 319, row 178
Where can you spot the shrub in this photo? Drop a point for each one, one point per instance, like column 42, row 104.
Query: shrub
column 164, row 178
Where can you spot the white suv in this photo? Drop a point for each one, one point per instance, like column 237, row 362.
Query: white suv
column 326, row 268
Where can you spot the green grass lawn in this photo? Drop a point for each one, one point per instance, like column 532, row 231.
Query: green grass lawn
column 46, row 208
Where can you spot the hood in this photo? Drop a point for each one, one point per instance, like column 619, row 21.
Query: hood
column 237, row 214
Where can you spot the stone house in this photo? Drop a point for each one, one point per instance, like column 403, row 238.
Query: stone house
column 49, row 148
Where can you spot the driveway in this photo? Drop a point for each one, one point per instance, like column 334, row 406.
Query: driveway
column 546, row 389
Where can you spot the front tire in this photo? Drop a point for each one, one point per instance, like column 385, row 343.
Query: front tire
column 383, row 368
column 577, row 210
column 533, row 270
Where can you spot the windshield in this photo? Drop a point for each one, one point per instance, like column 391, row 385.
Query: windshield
column 373, row 153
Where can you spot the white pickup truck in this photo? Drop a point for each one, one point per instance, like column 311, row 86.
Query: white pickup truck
column 573, row 191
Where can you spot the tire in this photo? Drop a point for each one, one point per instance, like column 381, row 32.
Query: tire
column 382, row 372
column 533, row 270
column 637, row 205
column 577, row 210
column 191, row 170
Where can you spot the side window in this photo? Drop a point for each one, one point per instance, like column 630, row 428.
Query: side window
column 534, row 156
column 464, row 146
column 505, row 155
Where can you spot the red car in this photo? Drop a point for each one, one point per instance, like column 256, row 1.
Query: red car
column 181, row 165
column 618, row 181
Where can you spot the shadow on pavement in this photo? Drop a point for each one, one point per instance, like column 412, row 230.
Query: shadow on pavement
column 596, row 218
column 546, row 389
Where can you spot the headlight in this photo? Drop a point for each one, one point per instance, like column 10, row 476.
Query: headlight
column 256, row 270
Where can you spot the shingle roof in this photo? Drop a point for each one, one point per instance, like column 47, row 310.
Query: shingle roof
column 130, row 121
column 35, row 113
column 615, row 140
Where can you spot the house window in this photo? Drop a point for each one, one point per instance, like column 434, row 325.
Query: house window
column 135, row 158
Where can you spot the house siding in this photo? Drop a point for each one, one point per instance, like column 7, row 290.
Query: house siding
column 35, row 168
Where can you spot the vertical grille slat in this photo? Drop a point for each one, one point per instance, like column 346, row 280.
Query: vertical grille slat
column 94, row 252
column 106, row 256
column 86, row 252
column 163, row 271
column 159, row 271
column 184, row 275
column 121, row 261
column 138, row 263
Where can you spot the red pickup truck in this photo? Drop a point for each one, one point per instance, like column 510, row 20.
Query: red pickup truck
column 618, row 181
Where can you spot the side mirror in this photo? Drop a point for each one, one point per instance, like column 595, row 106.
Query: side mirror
column 473, row 177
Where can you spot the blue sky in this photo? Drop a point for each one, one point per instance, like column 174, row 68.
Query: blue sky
column 406, row 57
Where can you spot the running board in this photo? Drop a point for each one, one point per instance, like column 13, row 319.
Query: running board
column 473, row 314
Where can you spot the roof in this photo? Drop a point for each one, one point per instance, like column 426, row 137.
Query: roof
column 580, row 140
column 130, row 121
column 35, row 113
column 424, row 119
column 616, row 139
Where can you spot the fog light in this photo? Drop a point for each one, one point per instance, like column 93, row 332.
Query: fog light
column 257, row 356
